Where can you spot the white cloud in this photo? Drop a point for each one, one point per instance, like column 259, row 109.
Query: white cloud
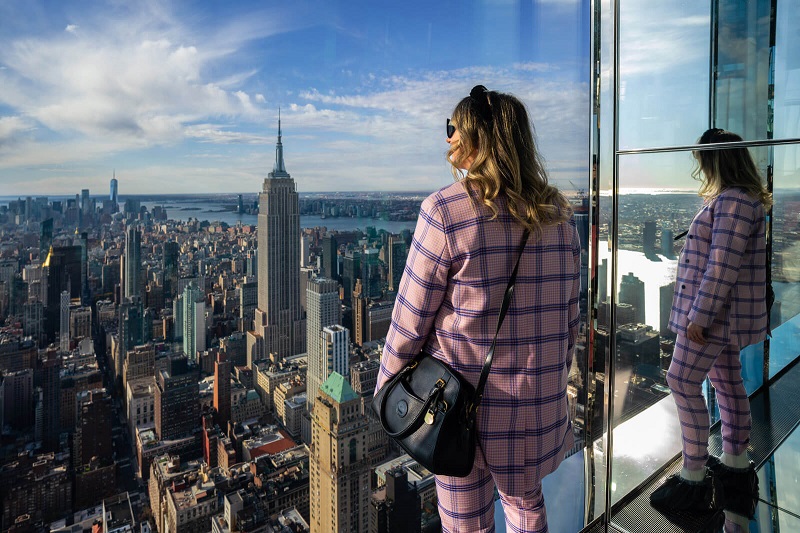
column 140, row 79
column 119, row 87
column 409, row 112
column 211, row 133
column 11, row 126
column 662, row 36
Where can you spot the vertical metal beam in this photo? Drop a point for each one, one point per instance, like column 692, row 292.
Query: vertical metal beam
column 773, row 19
column 590, row 377
column 712, row 63
column 612, row 334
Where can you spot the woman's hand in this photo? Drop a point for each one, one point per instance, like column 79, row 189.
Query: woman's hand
column 695, row 333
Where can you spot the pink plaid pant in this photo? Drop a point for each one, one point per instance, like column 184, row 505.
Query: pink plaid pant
column 466, row 504
column 691, row 363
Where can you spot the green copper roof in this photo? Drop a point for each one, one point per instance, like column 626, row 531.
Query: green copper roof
column 338, row 388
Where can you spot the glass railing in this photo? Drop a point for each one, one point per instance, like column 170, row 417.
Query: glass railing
column 653, row 106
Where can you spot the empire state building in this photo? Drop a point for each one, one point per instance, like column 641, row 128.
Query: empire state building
column 280, row 328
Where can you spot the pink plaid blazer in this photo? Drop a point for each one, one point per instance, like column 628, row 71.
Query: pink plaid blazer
column 449, row 301
column 721, row 279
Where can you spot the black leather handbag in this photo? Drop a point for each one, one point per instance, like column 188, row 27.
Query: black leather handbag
column 429, row 409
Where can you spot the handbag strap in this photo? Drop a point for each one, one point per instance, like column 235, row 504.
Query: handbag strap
column 487, row 364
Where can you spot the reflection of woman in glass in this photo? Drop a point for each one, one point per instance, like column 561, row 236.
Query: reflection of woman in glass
column 465, row 246
column 719, row 306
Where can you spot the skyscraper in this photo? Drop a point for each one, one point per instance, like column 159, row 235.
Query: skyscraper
column 248, row 300
column 336, row 345
column 222, row 390
column 665, row 293
column 63, row 332
column 133, row 262
column 322, row 301
column 86, row 295
column 397, row 260
column 92, row 436
column 93, row 448
column 170, row 262
column 339, row 465
column 177, row 405
column 51, row 402
column 63, row 274
column 602, row 281
column 667, row 243
column 649, row 238
column 45, row 239
column 85, row 203
column 631, row 291
column 397, row 506
column 351, row 271
column 131, row 324
column 114, row 193
column 194, row 322
column 33, row 321
column 305, row 250
column 330, row 257
column 371, row 273
column 279, row 318
column 582, row 224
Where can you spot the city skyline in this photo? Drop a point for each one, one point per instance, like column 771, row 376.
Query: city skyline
column 184, row 97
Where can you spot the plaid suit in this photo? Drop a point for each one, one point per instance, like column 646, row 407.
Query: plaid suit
column 721, row 286
column 449, row 300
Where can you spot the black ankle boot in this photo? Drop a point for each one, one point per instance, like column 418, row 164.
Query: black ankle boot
column 740, row 486
column 678, row 494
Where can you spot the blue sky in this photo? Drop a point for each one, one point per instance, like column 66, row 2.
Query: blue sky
column 183, row 97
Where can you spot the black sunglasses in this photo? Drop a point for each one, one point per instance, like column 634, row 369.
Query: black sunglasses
column 451, row 129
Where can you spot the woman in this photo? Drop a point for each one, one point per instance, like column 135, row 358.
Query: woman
column 462, row 255
column 719, row 306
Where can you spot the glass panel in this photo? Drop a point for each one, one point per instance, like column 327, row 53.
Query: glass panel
column 658, row 200
column 742, row 86
column 785, row 316
column 602, row 189
column 787, row 71
column 664, row 75
column 778, row 481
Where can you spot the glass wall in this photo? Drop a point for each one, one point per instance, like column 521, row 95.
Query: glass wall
column 666, row 72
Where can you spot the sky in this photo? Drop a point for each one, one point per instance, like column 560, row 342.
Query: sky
column 183, row 97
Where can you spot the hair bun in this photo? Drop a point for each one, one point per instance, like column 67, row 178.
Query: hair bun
column 478, row 92
column 480, row 95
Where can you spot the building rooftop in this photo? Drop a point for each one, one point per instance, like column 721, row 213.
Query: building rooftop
column 338, row 388
column 298, row 400
column 416, row 472
column 119, row 514
column 141, row 387
column 188, row 496
column 269, row 441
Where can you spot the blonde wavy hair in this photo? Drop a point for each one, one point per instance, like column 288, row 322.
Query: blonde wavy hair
column 726, row 168
column 495, row 127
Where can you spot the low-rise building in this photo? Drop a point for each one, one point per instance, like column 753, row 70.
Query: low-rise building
column 269, row 440
column 286, row 391
column 248, row 408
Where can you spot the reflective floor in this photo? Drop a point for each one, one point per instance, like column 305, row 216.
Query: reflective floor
column 774, row 447
column 779, row 482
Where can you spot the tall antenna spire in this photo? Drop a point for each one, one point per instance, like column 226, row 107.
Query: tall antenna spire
column 279, row 170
